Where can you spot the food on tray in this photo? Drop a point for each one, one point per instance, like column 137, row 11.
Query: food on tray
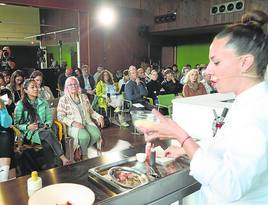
column 67, row 203
column 127, row 178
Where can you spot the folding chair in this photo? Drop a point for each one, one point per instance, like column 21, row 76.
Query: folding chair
column 166, row 102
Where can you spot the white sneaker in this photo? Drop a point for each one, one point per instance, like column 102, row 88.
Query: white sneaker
column 117, row 109
column 124, row 124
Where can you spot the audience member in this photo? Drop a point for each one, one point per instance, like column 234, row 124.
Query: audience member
column 2, row 81
column 207, row 82
column 170, row 85
column 141, row 75
column 193, row 86
column 135, row 89
column 6, row 142
column 62, row 78
column 15, row 86
column 148, row 73
column 122, row 82
column 185, row 70
column 7, row 75
column 75, row 111
column 177, row 72
column 34, row 120
column 97, row 74
column 105, row 89
column 87, row 82
column 44, row 91
column 154, row 86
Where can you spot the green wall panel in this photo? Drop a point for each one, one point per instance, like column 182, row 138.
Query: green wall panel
column 18, row 22
column 192, row 54
column 66, row 52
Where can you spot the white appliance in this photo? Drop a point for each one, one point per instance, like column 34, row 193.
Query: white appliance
column 196, row 116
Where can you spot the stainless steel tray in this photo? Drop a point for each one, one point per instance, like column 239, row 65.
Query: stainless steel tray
column 101, row 176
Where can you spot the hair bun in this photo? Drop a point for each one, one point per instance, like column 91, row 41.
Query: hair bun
column 256, row 17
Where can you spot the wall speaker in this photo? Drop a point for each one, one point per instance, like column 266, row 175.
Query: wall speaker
column 165, row 18
column 228, row 7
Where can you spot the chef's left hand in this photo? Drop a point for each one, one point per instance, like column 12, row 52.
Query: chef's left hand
column 166, row 128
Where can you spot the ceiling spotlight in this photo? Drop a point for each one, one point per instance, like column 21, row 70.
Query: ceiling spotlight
column 106, row 16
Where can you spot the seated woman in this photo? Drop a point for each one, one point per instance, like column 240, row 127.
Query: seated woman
column 154, row 86
column 105, row 89
column 33, row 118
column 75, row 111
column 6, row 142
column 193, row 86
column 44, row 91
column 15, row 85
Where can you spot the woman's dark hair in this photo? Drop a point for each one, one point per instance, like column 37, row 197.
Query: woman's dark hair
column 17, row 73
column 37, row 73
column 101, row 77
column 25, row 100
column 79, row 70
column 6, row 72
column 248, row 37
column 3, row 78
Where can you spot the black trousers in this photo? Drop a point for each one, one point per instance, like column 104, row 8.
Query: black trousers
column 35, row 159
column 51, row 147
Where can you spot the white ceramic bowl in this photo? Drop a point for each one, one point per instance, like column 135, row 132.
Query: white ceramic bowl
column 61, row 193
column 141, row 157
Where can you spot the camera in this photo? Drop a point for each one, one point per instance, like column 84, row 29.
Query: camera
column 5, row 54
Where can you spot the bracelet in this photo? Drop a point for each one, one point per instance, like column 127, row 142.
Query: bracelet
column 185, row 140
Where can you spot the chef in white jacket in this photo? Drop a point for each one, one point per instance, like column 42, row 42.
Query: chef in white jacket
column 233, row 168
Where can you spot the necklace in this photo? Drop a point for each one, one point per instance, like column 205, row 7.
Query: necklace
column 76, row 100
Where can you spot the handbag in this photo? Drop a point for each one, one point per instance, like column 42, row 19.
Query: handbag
column 77, row 154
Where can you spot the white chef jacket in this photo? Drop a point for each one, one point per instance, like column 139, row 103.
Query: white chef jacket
column 233, row 168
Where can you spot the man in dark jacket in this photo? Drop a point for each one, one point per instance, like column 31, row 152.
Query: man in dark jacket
column 171, row 85
column 135, row 89
column 154, row 86
column 87, row 82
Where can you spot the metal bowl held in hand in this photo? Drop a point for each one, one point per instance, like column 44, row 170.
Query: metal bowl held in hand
column 143, row 118
column 127, row 177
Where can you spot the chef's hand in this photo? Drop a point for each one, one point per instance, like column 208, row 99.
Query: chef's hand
column 100, row 121
column 166, row 129
column 174, row 151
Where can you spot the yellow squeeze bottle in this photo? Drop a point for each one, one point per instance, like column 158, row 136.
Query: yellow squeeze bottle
column 34, row 183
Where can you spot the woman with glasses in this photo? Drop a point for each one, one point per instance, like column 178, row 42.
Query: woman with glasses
column 75, row 111
column 33, row 118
